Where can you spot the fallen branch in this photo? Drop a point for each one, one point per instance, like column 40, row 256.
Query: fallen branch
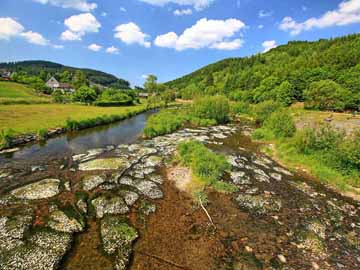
column 206, row 212
column 163, row 260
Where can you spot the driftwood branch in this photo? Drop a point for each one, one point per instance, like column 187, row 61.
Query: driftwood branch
column 163, row 260
column 206, row 212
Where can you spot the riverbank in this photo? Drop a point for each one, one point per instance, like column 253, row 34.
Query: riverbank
column 26, row 123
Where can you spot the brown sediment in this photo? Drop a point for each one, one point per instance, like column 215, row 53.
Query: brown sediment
column 177, row 236
column 86, row 252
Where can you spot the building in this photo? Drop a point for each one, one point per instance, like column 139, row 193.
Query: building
column 5, row 74
column 143, row 95
column 63, row 87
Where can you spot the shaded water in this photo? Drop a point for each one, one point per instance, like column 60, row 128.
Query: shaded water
column 126, row 131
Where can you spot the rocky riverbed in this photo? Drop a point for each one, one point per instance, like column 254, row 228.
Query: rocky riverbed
column 95, row 206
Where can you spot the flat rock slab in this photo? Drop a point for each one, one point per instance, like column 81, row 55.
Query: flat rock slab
column 92, row 181
column 118, row 237
column 60, row 222
column 109, row 205
column 43, row 189
column 104, row 164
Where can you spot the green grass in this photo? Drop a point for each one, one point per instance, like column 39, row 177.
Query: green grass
column 23, row 119
column 15, row 93
column 206, row 165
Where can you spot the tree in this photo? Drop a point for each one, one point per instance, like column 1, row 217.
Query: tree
column 168, row 96
column 150, row 84
column 79, row 79
column 326, row 95
column 85, row 94
column 285, row 93
column 65, row 76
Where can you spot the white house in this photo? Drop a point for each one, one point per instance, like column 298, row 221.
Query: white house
column 63, row 87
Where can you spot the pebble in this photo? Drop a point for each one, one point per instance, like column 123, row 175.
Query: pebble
column 315, row 265
column 282, row 258
column 248, row 249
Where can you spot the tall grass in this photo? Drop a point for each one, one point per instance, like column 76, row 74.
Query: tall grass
column 208, row 166
column 6, row 137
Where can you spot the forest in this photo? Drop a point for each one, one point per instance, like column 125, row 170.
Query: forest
column 324, row 74
column 38, row 68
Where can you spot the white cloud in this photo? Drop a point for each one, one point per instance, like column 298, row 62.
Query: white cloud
column 268, row 45
column 263, row 13
column 204, row 34
column 79, row 25
column 104, row 14
column 58, row 47
column 348, row 12
column 123, row 9
column 10, row 28
column 68, row 35
column 197, row 4
column 181, row 12
column 112, row 50
column 94, row 47
column 228, row 45
column 81, row 5
column 261, row 26
column 34, row 38
column 130, row 33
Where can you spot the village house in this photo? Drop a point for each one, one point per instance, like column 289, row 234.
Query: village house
column 5, row 74
column 56, row 85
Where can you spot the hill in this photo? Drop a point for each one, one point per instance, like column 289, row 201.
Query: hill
column 35, row 67
column 299, row 64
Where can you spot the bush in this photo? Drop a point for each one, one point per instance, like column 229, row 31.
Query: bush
column 240, row 107
column 205, row 164
column 263, row 110
column 85, row 94
column 6, row 137
column 212, row 107
column 327, row 95
column 281, row 124
column 111, row 98
column 349, row 152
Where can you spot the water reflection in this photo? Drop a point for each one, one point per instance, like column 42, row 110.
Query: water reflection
column 127, row 131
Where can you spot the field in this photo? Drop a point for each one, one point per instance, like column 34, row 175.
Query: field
column 15, row 93
column 31, row 118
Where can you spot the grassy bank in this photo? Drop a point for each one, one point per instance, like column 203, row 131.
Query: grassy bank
column 15, row 93
column 31, row 118
column 321, row 149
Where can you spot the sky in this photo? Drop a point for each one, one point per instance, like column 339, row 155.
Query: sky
column 168, row 38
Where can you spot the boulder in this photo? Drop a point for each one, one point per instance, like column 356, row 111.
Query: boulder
column 61, row 222
column 92, row 181
column 240, row 178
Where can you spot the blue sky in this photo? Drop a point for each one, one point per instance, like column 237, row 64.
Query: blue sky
column 168, row 38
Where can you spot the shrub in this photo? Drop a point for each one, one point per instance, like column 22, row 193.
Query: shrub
column 349, row 152
column 85, row 94
column 205, row 164
column 212, row 107
column 281, row 124
column 264, row 109
column 327, row 95
column 310, row 140
column 6, row 137
column 240, row 107
column 42, row 134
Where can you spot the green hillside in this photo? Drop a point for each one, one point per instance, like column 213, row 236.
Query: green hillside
column 292, row 67
column 15, row 93
column 34, row 68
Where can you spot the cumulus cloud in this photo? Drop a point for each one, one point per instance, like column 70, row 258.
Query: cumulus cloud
column 35, row 38
column 348, row 12
column 112, row 50
column 197, row 4
column 181, row 12
column 268, row 45
column 81, row 5
column 94, row 47
column 122, row 9
column 79, row 25
column 130, row 33
column 204, row 34
column 10, row 28
column 261, row 26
